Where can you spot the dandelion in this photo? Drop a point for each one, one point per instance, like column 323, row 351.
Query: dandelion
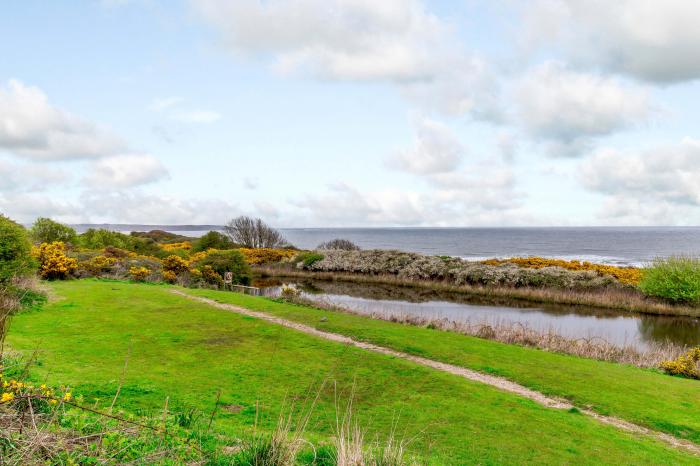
column 7, row 397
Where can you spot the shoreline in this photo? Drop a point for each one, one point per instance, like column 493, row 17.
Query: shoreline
column 618, row 299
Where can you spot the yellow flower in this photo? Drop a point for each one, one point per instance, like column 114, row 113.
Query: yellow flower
column 53, row 401
column 7, row 396
column 67, row 396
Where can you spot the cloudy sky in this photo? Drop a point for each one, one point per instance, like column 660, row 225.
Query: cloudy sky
column 351, row 112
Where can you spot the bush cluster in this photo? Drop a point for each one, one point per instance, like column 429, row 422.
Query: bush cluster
column 676, row 279
column 266, row 255
column 15, row 251
column 339, row 243
column 626, row 275
column 46, row 230
column 221, row 262
column 413, row 266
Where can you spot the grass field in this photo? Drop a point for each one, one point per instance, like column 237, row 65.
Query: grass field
column 190, row 351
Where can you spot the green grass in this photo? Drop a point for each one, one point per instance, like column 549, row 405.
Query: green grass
column 189, row 351
column 676, row 279
column 648, row 397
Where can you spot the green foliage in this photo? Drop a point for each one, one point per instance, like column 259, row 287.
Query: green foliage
column 228, row 261
column 99, row 238
column 213, row 240
column 46, row 230
column 309, row 258
column 160, row 236
column 15, row 250
column 676, row 279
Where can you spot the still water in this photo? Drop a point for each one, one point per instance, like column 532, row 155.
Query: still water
column 621, row 328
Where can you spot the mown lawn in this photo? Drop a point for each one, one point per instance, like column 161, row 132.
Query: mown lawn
column 643, row 396
column 189, row 351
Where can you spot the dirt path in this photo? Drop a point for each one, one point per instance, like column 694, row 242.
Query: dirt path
column 497, row 382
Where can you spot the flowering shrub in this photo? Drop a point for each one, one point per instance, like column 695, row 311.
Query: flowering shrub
column 227, row 261
column 626, row 275
column 97, row 265
column 169, row 276
column 186, row 245
column 685, row 365
column 139, row 274
column 256, row 256
column 175, row 264
column 676, row 279
column 198, row 256
column 211, row 276
column 53, row 261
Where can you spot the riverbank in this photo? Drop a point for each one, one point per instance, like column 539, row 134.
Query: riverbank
column 625, row 299
column 225, row 365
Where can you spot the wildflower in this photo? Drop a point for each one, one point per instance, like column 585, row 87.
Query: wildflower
column 6, row 397
column 67, row 396
column 53, row 401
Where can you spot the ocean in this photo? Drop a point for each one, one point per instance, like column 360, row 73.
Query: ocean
column 610, row 245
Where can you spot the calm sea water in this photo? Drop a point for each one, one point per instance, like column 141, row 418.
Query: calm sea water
column 612, row 245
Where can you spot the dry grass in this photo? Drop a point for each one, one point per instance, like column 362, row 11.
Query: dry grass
column 626, row 299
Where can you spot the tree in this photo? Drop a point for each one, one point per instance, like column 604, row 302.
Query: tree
column 338, row 243
column 253, row 233
column 46, row 230
column 213, row 240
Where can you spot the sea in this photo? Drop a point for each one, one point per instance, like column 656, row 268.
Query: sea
column 608, row 245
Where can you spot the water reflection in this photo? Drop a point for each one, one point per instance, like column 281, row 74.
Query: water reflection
column 617, row 327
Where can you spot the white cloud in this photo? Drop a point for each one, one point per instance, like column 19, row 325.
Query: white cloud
column 31, row 127
column 125, row 171
column 196, row 116
column 568, row 109
column 657, row 185
column 654, row 40
column 435, row 150
column 346, row 39
column 29, row 177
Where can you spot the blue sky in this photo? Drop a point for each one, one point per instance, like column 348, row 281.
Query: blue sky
column 351, row 112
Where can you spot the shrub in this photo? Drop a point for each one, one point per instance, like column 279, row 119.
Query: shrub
column 307, row 259
column 169, row 276
column 186, row 245
column 97, row 265
column 46, row 230
column 676, row 279
column 339, row 243
column 54, row 264
column 227, row 261
column 211, row 276
column 101, row 238
column 15, row 250
column 626, row 275
column 685, row 365
column 253, row 233
column 175, row 264
column 266, row 255
column 213, row 240
column 139, row 274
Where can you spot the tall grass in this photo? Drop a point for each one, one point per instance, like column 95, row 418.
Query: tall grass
column 676, row 279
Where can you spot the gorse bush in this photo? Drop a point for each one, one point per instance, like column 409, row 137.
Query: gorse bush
column 15, row 251
column 676, row 279
column 266, row 255
column 100, row 238
column 46, row 230
column 685, row 365
column 626, row 275
column 54, row 264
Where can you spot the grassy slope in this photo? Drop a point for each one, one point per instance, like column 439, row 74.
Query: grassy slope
column 646, row 397
column 189, row 351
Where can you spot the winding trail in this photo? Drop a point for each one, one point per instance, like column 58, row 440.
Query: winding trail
column 494, row 381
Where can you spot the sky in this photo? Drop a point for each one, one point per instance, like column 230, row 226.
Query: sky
column 351, row 113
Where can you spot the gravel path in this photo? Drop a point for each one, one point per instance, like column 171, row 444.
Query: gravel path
column 497, row 382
